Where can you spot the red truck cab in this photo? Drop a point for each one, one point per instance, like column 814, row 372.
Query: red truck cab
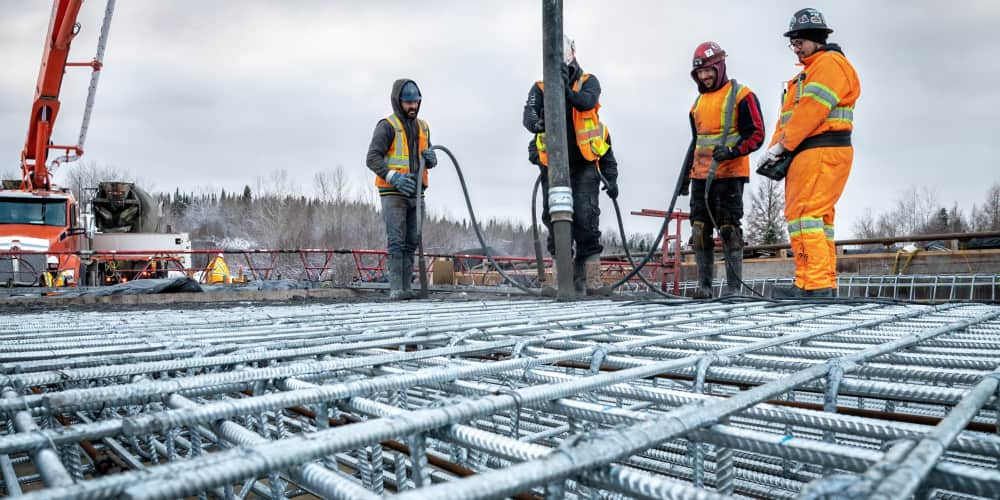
column 39, row 233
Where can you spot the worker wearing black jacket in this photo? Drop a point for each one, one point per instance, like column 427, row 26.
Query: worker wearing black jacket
column 726, row 126
column 589, row 147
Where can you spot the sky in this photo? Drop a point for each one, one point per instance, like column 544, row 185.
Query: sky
column 217, row 95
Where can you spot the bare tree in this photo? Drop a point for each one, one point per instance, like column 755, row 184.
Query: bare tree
column 766, row 220
column 86, row 175
column 9, row 173
column 986, row 217
column 331, row 186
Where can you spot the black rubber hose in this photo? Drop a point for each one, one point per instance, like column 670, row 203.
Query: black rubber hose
column 422, row 266
column 624, row 239
column 475, row 224
column 711, row 217
column 539, row 259
column 659, row 237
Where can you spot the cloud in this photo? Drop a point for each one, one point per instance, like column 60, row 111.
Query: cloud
column 199, row 94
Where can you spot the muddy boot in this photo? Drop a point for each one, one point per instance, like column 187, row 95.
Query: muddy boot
column 592, row 268
column 732, row 245
column 393, row 270
column 407, row 277
column 705, row 259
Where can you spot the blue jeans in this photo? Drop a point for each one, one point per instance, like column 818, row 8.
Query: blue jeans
column 400, row 216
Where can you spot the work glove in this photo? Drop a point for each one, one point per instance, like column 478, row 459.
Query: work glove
column 539, row 126
column 565, row 75
column 724, row 153
column 404, row 183
column 430, row 158
column 611, row 186
column 685, row 187
column 772, row 156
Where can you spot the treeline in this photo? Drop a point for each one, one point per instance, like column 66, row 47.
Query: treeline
column 917, row 211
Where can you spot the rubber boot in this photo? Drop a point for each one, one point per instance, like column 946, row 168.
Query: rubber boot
column 705, row 260
column 794, row 292
column 580, row 276
column 394, row 270
column 592, row 269
column 734, row 271
column 406, row 272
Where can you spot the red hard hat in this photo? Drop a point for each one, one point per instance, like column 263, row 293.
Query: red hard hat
column 707, row 54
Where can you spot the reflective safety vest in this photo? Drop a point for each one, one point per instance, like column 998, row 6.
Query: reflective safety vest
column 591, row 134
column 709, row 111
column 217, row 271
column 398, row 156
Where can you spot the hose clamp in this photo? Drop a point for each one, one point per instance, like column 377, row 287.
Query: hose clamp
column 561, row 203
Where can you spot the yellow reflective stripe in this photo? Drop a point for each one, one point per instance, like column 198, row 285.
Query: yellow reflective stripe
column 725, row 106
column 712, row 140
column 787, row 115
column 805, row 225
column 600, row 145
column 400, row 160
column 822, row 94
column 841, row 114
column 828, row 229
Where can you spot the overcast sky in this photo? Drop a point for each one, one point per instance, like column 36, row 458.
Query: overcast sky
column 215, row 94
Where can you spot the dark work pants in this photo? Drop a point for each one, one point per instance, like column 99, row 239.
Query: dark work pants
column 725, row 198
column 400, row 216
column 586, row 210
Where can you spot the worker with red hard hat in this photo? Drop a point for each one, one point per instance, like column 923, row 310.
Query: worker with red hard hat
column 726, row 126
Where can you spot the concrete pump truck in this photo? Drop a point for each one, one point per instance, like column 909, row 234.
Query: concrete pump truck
column 45, row 237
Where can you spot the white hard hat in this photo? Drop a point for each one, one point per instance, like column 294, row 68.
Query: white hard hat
column 569, row 49
column 52, row 259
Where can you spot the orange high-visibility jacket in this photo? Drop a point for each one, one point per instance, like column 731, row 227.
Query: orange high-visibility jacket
column 591, row 134
column 398, row 156
column 709, row 111
column 819, row 99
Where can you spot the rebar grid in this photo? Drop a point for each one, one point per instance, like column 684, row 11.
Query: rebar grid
column 595, row 399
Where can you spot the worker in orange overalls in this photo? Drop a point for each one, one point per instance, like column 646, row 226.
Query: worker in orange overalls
column 814, row 133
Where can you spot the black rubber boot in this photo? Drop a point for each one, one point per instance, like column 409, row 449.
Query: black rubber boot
column 732, row 245
column 393, row 270
column 734, row 272
column 705, row 259
column 794, row 292
column 580, row 276
column 406, row 271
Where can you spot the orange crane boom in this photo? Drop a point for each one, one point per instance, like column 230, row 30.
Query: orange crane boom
column 62, row 29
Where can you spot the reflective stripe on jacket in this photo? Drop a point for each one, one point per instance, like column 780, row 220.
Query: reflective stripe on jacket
column 398, row 156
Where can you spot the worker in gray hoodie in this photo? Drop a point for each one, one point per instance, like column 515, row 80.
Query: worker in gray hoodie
column 400, row 143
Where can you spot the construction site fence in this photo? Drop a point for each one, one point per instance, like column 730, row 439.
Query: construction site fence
column 339, row 266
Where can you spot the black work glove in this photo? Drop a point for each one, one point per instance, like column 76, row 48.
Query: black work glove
column 565, row 76
column 611, row 186
column 539, row 126
column 685, row 187
column 430, row 158
column 723, row 153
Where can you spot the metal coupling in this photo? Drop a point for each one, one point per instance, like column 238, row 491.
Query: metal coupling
column 561, row 203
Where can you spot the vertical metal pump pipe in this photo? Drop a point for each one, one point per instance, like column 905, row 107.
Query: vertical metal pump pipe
column 560, row 193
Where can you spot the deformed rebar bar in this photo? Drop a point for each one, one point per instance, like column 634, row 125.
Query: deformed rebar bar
column 522, row 398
